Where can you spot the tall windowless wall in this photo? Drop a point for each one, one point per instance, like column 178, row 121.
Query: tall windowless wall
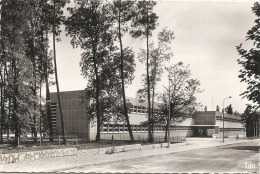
column 74, row 114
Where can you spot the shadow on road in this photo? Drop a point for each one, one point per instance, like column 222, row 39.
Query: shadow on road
column 246, row 148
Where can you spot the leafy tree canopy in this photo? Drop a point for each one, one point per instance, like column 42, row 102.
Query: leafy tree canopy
column 182, row 93
column 250, row 61
column 229, row 109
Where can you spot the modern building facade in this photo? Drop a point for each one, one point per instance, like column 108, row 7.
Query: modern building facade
column 198, row 124
column 74, row 114
column 208, row 123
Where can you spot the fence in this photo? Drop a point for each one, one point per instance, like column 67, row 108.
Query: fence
column 31, row 140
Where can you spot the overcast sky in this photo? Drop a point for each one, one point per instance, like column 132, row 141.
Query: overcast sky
column 206, row 34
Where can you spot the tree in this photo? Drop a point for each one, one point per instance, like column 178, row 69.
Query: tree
column 250, row 62
column 89, row 27
column 182, row 95
column 122, row 11
column 237, row 113
column 112, row 70
column 17, row 98
column 217, row 108
column 42, row 19
column 24, row 61
column 59, row 5
column 111, row 105
column 48, row 25
column 158, row 55
column 143, row 25
column 250, row 118
column 35, row 51
column 229, row 109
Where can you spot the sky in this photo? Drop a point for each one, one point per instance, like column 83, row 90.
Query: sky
column 206, row 36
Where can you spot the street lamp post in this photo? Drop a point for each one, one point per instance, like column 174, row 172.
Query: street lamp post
column 223, row 117
column 169, row 117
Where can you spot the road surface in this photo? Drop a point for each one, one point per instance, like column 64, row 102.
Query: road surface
column 243, row 157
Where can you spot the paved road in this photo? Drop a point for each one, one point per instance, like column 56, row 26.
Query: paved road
column 242, row 157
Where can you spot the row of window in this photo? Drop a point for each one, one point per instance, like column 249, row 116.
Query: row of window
column 141, row 110
column 232, row 129
column 140, row 128
column 228, row 119
column 144, row 110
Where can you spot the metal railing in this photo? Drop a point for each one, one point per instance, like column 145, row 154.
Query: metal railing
column 71, row 139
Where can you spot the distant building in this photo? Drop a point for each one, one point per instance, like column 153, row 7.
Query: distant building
column 198, row 124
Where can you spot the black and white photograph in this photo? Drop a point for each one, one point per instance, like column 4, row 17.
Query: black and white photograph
column 129, row 86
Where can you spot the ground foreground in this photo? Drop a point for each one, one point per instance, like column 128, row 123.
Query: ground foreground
column 192, row 156
column 242, row 157
column 31, row 146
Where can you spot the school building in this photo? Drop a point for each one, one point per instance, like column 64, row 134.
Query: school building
column 197, row 124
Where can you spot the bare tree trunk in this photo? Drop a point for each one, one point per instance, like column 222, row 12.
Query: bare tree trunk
column 97, row 104
column 3, row 98
column 150, row 135
column 97, row 96
column 48, row 108
column 2, row 105
column 257, row 128
column 166, row 131
column 2, row 91
column 9, row 116
column 153, row 121
column 34, row 88
column 15, row 103
column 254, row 128
column 122, row 78
column 48, row 96
column 40, row 113
column 56, row 76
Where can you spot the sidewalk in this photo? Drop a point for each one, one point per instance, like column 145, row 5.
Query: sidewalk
column 69, row 162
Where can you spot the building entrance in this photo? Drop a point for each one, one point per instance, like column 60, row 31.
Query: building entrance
column 203, row 131
column 200, row 132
